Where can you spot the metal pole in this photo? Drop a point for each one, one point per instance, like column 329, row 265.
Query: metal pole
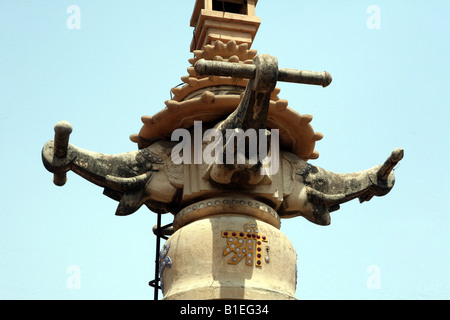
column 158, row 243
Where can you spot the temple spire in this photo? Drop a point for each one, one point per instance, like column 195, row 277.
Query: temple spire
column 224, row 20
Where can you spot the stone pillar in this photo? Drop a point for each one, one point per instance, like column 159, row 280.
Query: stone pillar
column 228, row 248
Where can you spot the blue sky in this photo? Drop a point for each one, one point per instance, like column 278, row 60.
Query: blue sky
column 389, row 90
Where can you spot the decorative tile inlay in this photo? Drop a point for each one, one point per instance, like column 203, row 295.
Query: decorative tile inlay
column 233, row 202
column 226, row 205
column 164, row 262
column 150, row 156
column 246, row 245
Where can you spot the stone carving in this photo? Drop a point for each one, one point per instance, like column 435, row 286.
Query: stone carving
column 229, row 87
column 149, row 176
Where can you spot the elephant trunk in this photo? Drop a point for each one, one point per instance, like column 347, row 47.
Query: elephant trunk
column 323, row 191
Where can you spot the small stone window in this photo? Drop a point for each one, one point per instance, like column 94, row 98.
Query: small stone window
column 231, row 6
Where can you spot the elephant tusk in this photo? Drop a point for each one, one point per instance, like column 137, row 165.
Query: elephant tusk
column 132, row 183
column 328, row 200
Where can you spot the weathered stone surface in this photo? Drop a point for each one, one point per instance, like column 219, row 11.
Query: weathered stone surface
column 207, row 273
column 149, row 177
column 217, row 206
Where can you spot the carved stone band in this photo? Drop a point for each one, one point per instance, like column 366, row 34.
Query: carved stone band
column 227, row 205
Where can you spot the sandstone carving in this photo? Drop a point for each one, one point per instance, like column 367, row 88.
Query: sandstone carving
column 236, row 205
